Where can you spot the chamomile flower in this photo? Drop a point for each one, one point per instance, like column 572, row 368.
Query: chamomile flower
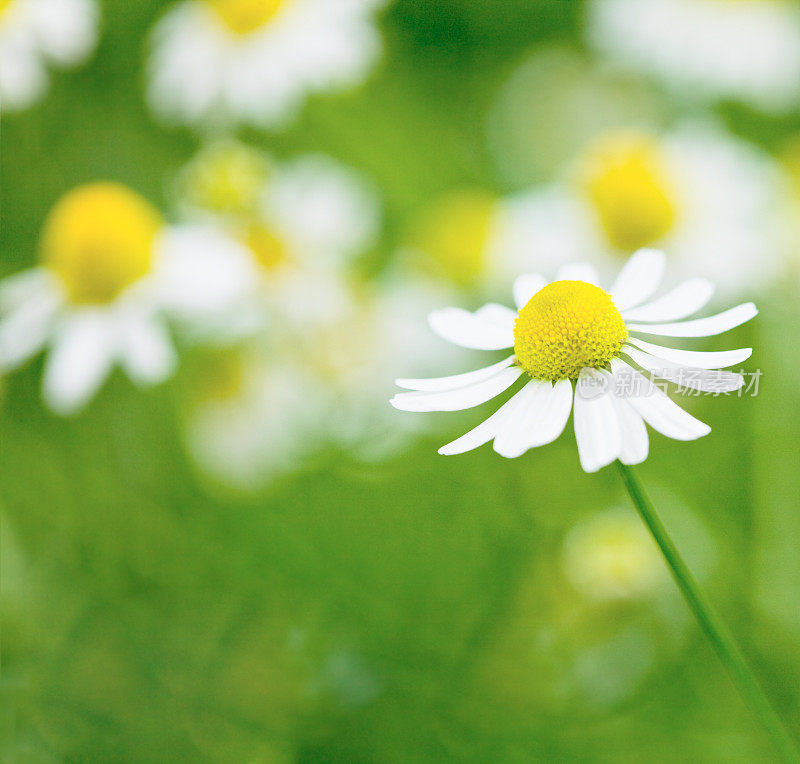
column 718, row 206
column 96, row 299
column 35, row 33
column 575, row 345
column 254, row 61
column 303, row 221
column 747, row 50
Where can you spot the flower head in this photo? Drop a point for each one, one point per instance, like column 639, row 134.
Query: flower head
column 569, row 334
column 254, row 61
column 111, row 270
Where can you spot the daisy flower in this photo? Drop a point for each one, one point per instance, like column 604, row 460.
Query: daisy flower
column 254, row 61
column 304, row 222
column 109, row 264
column 577, row 347
column 34, row 33
column 718, row 206
column 748, row 50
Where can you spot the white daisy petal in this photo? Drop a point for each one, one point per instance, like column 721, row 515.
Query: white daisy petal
column 702, row 360
column 693, row 378
column 146, row 351
column 499, row 315
column 200, row 271
column 25, row 330
column 19, row 288
column 639, row 278
column 682, row 301
column 633, row 433
column 555, row 416
column 526, row 286
column 578, row 272
column 513, row 437
column 485, row 431
column 79, row 362
column 470, row 330
column 460, row 398
column 701, row 327
column 659, row 411
column 435, row 384
column 597, row 429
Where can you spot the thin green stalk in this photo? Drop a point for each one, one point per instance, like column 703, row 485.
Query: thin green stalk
column 721, row 638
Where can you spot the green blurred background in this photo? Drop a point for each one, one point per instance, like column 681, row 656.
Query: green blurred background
column 411, row 610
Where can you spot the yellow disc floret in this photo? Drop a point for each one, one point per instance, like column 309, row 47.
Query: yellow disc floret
column 245, row 16
column 626, row 179
column 99, row 239
column 566, row 326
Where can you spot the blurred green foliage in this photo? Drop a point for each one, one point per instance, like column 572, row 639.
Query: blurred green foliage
column 414, row 610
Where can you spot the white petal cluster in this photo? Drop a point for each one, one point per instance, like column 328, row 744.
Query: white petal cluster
column 38, row 33
column 747, row 50
column 200, row 73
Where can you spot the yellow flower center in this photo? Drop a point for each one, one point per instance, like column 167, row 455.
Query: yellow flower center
column 4, row 4
column 99, row 239
column 454, row 234
column 245, row 16
column 227, row 179
column 269, row 250
column 626, row 179
column 566, row 326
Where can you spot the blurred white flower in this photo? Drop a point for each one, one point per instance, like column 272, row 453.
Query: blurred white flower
column 254, row 61
column 251, row 418
column 571, row 330
column 98, row 297
column 34, row 33
column 316, row 342
column 304, row 222
column 267, row 405
column 717, row 205
column 747, row 50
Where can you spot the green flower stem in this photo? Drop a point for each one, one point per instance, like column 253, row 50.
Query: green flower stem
column 710, row 622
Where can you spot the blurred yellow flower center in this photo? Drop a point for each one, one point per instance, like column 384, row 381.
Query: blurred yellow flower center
column 625, row 177
column 99, row 239
column 245, row 16
column 227, row 179
column 4, row 5
column 269, row 250
column 566, row 326
column 454, row 234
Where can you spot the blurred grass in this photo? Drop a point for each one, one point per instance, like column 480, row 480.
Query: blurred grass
column 411, row 611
